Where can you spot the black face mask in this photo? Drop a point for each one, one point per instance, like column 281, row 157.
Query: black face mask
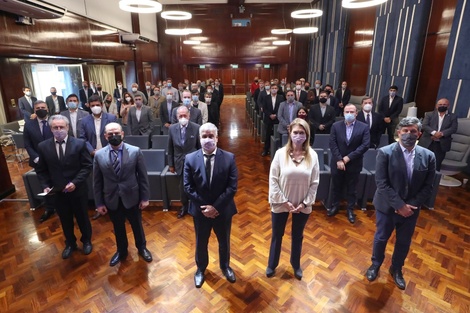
column 442, row 109
column 41, row 113
column 99, row 88
column 307, row 87
column 53, row 93
column 323, row 100
column 115, row 140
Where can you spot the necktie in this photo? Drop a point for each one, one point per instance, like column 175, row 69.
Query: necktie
column 44, row 126
column 208, row 167
column 183, row 134
column 61, row 150
column 116, row 164
column 298, row 95
column 368, row 119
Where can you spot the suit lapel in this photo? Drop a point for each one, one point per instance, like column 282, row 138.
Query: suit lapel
column 402, row 163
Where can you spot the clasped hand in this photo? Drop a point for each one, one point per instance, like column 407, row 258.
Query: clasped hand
column 292, row 209
column 209, row 211
column 407, row 210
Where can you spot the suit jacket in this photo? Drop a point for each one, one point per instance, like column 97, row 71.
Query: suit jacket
column 269, row 109
column 376, row 129
column 147, row 93
column 303, row 96
column 392, row 111
column 32, row 137
column 26, row 108
column 316, row 119
column 431, row 123
column 202, row 92
column 260, row 98
column 221, row 93
column 164, row 115
column 139, row 93
column 176, row 96
column 51, row 105
column 131, row 185
column 88, row 131
column 144, row 125
column 393, row 188
column 75, row 167
column 283, row 115
column 354, row 149
column 177, row 151
column 80, row 115
column 102, row 95
column 344, row 99
column 83, row 97
column 117, row 96
column 223, row 185
column 195, row 115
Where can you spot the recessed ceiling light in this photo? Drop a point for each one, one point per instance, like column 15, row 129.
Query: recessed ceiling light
column 176, row 31
column 305, row 30
column 176, row 15
column 140, row 6
column 281, row 31
column 194, row 30
column 191, row 42
column 281, row 42
column 355, row 4
column 309, row 13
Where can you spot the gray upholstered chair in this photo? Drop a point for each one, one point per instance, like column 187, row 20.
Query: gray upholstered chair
column 456, row 159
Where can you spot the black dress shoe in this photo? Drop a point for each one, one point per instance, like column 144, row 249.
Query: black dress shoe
column 229, row 274
column 146, row 255
column 199, row 278
column 298, row 273
column 87, row 248
column 332, row 211
column 372, row 272
column 182, row 212
column 265, row 153
column 398, row 278
column 46, row 215
column 67, row 252
column 351, row 217
column 96, row 216
column 117, row 257
column 270, row 272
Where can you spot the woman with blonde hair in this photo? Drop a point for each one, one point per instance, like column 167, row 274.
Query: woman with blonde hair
column 293, row 183
column 109, row 105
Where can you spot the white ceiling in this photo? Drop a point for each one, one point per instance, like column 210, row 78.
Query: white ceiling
column 189, row 2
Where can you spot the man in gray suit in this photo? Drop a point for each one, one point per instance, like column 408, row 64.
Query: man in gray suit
column 404, row 174
column 140, row 118
column 287, row 112
column 74, row 115
column 195, row 113
column 183, row 139
column 121, row 187
column 438, row 127
column 26, row 104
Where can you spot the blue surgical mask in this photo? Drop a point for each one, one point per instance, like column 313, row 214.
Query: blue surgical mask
column 72, row 105
column 195, row 98
column 408, row 140
column 186, row 101
column 349, row 117
column 392, row 94
column 168, row 85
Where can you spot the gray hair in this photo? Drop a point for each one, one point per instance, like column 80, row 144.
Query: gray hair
column 58, row 117
column 410, row 121
column 208, row 127
column 111, row 125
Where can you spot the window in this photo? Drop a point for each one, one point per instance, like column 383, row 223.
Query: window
column 66, row 79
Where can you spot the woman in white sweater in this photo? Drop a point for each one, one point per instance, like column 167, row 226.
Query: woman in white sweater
column 293, row 183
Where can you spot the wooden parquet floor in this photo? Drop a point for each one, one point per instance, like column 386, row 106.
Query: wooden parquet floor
column 336, row 254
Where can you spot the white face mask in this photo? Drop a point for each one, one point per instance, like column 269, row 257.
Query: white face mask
column 367, row 107
column 96, row 110
column 208, row 100
column 128, row 99
column 28, row 93
column 169, row 97
column 134, row 89
column 183, row 121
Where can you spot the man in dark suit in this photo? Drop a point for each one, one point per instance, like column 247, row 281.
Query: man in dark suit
column 64, row 166
column 166, row 108
column 148, row 92
column 118, row 93
column 183, row 139
column 100, row 92
column 140, row 118
column 85, row 93
column 257, row 93
column 373, row 120
column 194, row 113
column 219, row 87
column 343, row 95
column 26, row 104
column 201, row 89
column 332, row 101
column 210, row 181
column 404, row 176
column 438, row 127
column 287, row 112
column 35, row 131
column 300, row 95
column 212, row 108
column 74, row 115
column 271, row 105
column 96, row 121
column 55, row 103
column 121, row 187
column 390, row 107
column 321, row 115
column 349, row 140
column 317, row 88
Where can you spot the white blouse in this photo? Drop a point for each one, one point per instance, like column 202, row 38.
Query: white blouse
column 293, row 183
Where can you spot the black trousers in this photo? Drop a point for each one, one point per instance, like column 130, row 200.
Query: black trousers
column 435, row 147
column 269, row 125
column 404, row 228
column 74, row 204
column 184, row 196
column 391, row 130
column 134, row 216
column 279, row 220
column 222, row 226
column 340, row 180
column 213, row 114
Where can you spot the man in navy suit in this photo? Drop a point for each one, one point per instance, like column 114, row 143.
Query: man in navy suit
column 210, row 181
column 166, row 109
column 438, row 127
column 349, row 140
column 118, row 94
column 85, row 93
column 271, row 104
column 55, row 103
column 26, row 104
column 183, row 139
column 373, row 119
column 74, row 115
column 343, row 95
column 404, row 174
column 35, row 131
column 390, row 107
column 64, row 165
column 92, row 126
column 300, row 95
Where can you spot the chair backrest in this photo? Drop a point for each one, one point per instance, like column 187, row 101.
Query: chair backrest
column 141, row 141
column 404, row 111
column 460, row 148
column 275, row 133
column 383, row 141
column 154, row 159
column 160, row 142
column 370, row 159
column 18, row 139
column 8, row 128
column 321, row 160
column 322, row 141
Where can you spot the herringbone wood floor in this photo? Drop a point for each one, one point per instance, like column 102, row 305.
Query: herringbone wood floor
column 336, row 254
